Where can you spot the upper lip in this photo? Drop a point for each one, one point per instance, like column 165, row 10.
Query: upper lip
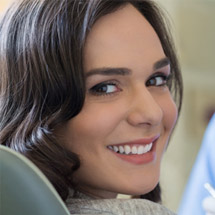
column 142, row 141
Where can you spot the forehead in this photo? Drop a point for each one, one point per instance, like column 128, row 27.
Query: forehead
column 122, row 36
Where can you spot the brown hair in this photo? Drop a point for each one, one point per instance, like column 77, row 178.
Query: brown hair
column 42, row 83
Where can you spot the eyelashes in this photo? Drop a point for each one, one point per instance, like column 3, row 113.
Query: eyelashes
column 159, row 80
column 105, row 88
column 111, row 87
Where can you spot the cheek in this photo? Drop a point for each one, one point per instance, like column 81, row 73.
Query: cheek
column 95, row 121
column 170, row 112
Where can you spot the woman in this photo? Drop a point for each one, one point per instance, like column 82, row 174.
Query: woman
column 86, row 93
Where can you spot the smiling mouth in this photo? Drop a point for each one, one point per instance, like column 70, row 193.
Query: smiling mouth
column 137, row 152
column 132, row 150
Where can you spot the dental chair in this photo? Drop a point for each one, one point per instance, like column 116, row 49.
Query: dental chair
column 24, row 189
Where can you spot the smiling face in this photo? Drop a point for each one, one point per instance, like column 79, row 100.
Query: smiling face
column 128, row 115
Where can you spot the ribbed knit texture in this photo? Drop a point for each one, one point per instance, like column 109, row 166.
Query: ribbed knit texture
column 82, row 204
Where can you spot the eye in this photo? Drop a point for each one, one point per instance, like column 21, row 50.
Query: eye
column 158, row 80
column 105, row 88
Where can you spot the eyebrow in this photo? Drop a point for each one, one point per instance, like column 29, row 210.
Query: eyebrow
column 161, row 63
column 109, row 71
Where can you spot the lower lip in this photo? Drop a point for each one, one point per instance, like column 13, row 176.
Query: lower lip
column 139, row 159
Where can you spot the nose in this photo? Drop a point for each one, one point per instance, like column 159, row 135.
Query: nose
column 144, row 109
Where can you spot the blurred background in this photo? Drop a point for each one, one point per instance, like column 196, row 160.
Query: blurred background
column 193, row 27
column 4, row 4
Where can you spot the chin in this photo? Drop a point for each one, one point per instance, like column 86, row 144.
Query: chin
column 140, row 190
column 144, row 188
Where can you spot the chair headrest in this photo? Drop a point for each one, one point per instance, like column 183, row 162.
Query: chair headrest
column 24, row 189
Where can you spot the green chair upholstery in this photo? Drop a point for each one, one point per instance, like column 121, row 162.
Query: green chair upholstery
column 24, row 189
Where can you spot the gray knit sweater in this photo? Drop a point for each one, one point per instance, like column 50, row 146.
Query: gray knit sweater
column 82, row 204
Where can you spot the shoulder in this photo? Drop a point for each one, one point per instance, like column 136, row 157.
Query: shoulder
column 116, row 207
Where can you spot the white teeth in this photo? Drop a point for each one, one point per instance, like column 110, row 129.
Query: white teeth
column 127, row 149
column 140, row 150
column 110, row 147
column 121, row 149
column 115, row 148
column 131, row 150
column 149, row 146
column 134, row 150
column 145, row 149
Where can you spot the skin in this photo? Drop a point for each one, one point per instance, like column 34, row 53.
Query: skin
column 129, row 106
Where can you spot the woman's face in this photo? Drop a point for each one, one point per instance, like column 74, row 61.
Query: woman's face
column 128, row 115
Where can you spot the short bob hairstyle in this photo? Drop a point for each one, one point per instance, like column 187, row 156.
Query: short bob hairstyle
column 42, row 83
